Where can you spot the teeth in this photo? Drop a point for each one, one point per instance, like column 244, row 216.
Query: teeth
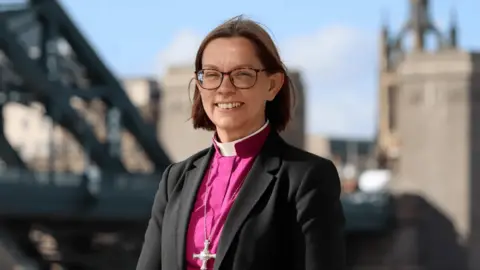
column 229, row 105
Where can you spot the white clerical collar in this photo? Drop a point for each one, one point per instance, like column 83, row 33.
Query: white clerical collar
column 228, row 149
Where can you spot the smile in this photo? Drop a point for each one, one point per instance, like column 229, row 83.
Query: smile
column 229, row 105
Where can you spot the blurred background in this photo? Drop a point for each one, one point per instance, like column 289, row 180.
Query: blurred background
column 95, row 104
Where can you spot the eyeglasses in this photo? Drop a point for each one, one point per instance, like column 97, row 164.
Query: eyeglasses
column 241, row 78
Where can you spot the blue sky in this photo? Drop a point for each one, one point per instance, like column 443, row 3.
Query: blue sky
column 332, row 42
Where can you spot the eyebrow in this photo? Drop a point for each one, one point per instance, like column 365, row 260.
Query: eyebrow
column 209, row 66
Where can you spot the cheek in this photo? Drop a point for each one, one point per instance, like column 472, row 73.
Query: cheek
column 256, row 99
column 206, row 103
column 206, row 97
column 262, row 90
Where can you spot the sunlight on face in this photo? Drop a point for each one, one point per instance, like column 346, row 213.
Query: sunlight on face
column 234, row 109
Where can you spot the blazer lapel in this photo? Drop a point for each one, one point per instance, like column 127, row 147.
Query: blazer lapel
column 255, row 184
column 193, row 179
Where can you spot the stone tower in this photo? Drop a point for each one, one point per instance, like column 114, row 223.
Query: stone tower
column 392, row 51
column 176, row 131
column 429, row 126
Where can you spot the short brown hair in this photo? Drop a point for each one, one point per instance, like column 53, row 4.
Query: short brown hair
column 279, row 110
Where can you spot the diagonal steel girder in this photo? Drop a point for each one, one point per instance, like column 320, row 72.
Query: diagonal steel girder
column 52, row 94
column 115, row 95
column 9, row 155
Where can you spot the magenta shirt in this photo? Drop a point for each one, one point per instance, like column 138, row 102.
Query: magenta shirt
column 227, row 170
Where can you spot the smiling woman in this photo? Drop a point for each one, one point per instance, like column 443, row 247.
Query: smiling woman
column 257, row 82
column 250, row 201
column 236, row 106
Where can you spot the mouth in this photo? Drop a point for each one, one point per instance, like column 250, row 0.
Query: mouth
column 229, row 105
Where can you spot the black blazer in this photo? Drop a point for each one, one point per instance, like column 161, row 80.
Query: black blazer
column 287, row 214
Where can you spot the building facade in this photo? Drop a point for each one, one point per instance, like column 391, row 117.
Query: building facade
column 429, row 131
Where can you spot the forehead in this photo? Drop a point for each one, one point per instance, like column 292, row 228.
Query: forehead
column 228, row 53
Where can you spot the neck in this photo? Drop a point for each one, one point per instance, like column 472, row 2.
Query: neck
column 225, row 136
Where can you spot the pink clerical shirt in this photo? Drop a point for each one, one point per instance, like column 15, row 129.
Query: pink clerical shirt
column 228, row 168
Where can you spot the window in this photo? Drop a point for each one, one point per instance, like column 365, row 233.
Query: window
column 392, row 107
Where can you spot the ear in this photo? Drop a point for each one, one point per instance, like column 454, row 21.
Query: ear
column 276, row 83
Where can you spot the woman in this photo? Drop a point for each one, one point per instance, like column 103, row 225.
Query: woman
column 250, row 201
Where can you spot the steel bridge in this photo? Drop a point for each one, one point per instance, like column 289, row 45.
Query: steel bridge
column 58, row 218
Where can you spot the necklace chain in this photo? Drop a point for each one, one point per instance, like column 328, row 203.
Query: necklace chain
column 207, row 194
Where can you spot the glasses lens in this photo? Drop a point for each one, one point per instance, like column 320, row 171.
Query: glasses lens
column 209, row 79
column 244, row 78
column 241, row 78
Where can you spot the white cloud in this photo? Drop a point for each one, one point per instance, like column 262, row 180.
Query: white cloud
column 180, row 51
column 330, row 54
column 338, row 67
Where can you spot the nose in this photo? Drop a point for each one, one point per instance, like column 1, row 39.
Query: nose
column 226, row 86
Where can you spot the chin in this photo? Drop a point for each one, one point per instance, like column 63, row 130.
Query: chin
column 227, row 123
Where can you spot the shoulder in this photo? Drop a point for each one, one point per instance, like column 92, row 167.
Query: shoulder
column 176, row 169
column 296, row 159
column 308, row 172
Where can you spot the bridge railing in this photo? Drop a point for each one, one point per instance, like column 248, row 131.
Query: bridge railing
column 117, row 181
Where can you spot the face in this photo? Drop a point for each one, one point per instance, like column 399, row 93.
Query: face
column 237, row 109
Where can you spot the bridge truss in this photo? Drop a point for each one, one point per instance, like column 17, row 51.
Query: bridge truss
column 45, row 60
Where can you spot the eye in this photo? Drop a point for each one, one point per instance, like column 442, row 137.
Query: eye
column 211, row 74
column 244, row 73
